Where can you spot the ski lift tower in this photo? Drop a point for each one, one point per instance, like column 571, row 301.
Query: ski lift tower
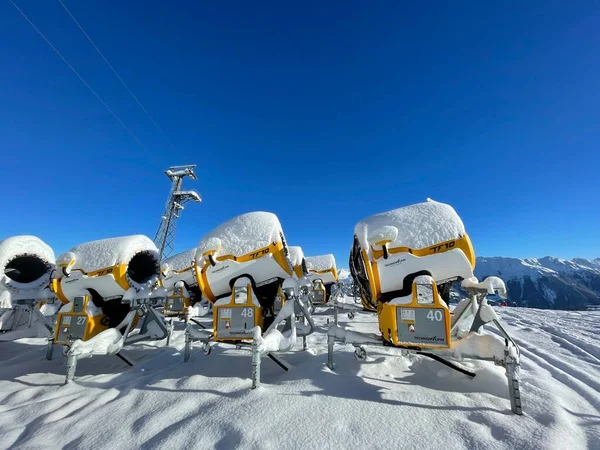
column 165, row 236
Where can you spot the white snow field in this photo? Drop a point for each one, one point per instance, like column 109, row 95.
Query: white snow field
column 386, row 402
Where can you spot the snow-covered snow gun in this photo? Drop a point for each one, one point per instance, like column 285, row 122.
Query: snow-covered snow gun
column 108, row 287
column 243, row 268
column 322, row 272
column 27, row 304
column 404, row 262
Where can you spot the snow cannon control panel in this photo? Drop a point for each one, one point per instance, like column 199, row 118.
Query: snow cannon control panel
column 78, row 320
column 419, row 320
column 319, row 293
column 178, row 301
column 235, row 317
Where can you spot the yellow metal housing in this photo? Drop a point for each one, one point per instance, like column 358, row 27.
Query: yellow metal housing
column 389, row 325
column 220, row 319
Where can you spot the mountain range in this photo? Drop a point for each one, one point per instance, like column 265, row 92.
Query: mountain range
column 547, row 283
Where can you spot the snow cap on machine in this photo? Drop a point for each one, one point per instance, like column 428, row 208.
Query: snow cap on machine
column 416, row 226
column 137, row 251
column 296, row 255
column 320, row 263
column 180, row 261
column 26, row 262
column 242, row 235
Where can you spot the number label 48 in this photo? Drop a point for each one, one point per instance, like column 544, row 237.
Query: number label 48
column 248, row 312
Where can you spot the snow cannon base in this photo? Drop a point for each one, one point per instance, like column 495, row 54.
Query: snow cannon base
column 235, row 317
column 319, row 293
column 83, row 320
column 239, row 320
column 424, row 321
column 441, row 336
column 28, row 319
column 85, row 331
column 177, row 305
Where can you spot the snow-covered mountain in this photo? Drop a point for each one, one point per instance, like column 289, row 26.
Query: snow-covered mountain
column 546, row 282
column 540, row 282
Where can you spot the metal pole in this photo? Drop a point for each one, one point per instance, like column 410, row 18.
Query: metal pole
column 255, row 364
column 71, row 367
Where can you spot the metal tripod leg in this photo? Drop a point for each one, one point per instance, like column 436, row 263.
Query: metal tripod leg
column 255, row 364
column 71, row 367
column 330, row 343
column 49, row 348
column 188, row 345
column 512, row 367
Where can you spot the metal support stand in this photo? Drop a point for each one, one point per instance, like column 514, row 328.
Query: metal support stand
column 50, row 349
column 512, row 374
column 188, row 346
column 255, row 364
column 330, row 343
column 71, row 367
column 170, row 332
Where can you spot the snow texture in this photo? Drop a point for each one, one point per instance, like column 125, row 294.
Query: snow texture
column 182, row 260
column 96, row 255
column 320, row 263
column 386, row 402
column 491, row 285
column 107, row 342
column 480, row 345
column 419, row 226
column 296, row 255
column 243, row 234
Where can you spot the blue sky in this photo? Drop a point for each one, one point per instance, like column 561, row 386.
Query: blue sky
column 323, row 113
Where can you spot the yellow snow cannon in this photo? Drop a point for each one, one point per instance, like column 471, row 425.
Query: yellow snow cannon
column 322, row 270
column 242, row 267
column 252, row 246
column 405, row 261
column 108, row 285
column 27, row 305
column 179, row 279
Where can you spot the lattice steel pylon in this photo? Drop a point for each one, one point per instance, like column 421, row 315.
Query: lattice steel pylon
column 165, row 236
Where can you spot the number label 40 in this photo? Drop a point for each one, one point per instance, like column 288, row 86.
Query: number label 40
column 435, row 315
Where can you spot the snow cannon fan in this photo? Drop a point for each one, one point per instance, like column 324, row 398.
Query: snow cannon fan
column 323, row 267
column 26, row 301
column 108, row 285
column 179, row 279
column 235, row 317
column 404, row 262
